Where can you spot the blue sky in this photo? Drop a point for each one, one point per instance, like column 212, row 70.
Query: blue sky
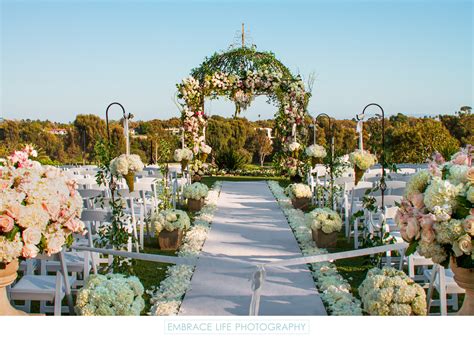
column 62, row 58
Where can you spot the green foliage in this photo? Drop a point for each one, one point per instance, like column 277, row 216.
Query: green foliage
column 414, row 141
column 238, row 61
column 115, row 234
column 460, row 126
column 230, row 160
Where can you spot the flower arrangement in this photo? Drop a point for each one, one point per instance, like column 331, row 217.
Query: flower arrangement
column 361, row 160
column 183, row 154
column 325, row 219
column 316, row 151
column 390, row 292
column 334, row 290
column 111, row 295
column 195, row 191
column 294, row 146
column 436, row 214
column 40, row 208
column 299, row 190
column 126, row 166
column 170, row 220
column 205, row 149
column 197, row 170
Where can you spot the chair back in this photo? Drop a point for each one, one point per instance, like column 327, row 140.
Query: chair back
column 389, row 200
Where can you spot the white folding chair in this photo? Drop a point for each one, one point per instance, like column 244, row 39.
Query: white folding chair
column 443, row 281
column 93, row 219
column 45, row 288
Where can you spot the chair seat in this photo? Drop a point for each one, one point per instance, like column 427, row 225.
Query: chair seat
column 34, row 287
column 451, row 285
column 74, row 261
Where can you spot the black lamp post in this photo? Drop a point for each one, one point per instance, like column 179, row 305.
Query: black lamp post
column 331, row 159
column 360, row 117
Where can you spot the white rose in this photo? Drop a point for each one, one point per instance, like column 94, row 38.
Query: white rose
column 32, row 236
column 30, row 251
column 465, row 244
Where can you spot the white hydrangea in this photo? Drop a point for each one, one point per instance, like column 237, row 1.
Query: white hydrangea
column 10, row 250
column 470, row 194
column 441, row 193
column 125, row 164
column 316, row 151
column 448, row 232
column 299, row 190
column 381, row 297
column 184, row 154
column 458, row 173
column 206, row 149
column 362, row 159
column 111, row 295
column 418, row 183
column 294, row 146
column 196, row 191
column 170, row 220
column 325, row 219
column 432, row 250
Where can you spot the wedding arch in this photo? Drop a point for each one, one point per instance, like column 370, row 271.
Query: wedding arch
column 241, row 74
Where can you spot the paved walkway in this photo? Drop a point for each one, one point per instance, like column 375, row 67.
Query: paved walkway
column 249, row 226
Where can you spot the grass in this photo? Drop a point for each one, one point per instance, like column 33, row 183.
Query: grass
column 151, row 273
column 355, row 269
column 210, row 180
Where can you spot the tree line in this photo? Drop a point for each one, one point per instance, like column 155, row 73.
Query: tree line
column 407, row 139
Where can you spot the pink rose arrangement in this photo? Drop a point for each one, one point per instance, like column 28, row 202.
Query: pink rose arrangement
column 40, row 207
column 436, row 215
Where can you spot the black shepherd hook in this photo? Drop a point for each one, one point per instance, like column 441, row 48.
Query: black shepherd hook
column 331, row 159
column 360, row 117
column 107, row 116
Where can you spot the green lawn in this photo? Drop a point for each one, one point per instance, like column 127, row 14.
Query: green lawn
column 151, row 273
column 210, row 180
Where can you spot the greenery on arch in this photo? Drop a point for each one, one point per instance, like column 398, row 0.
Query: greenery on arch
column 241, row 74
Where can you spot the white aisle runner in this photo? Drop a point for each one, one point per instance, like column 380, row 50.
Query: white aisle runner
column 249, row 226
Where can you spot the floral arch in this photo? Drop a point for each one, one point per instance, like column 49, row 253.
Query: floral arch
column 241, row 74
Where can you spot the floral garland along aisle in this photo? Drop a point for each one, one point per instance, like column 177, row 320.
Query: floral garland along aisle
column 335, row 290
column 167, row 298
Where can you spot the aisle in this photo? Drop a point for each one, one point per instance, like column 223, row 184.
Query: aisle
column 249, row 226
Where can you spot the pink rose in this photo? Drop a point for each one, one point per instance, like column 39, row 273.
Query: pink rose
column 6, row 223
column 428, row 235
column 434, row 169
column 427, row 221
column 13, row 211
column 30, row 251
column 438, row 158
column 55, row 244
column 417, row 200
column 75, row 225
column 4, row 184
column 468, row 225
column 52, row 209
column 412, row 229
column 470, row 176
column 32, row 236
column 460, row 158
